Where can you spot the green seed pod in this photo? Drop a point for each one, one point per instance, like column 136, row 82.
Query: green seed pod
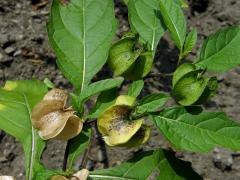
column 209, row 91
column 189, row 88
column 141, row 67
column 123, row 54
column 128, row 60
column 181, row 71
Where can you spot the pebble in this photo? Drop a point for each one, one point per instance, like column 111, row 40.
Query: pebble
column 3, row 159
column 1, row 57
column 17, row 53
column 19, row 37
column 10, row 50
column 223, row 159
column 3, row 39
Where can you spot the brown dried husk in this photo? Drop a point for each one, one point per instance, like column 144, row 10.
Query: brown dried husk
column 7, row 178
column 53, row 120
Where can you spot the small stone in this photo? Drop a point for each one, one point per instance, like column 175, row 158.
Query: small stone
column 237, row 70
column 19, row 37
column 6, row 59
column 17, row 53
column 3, row 39
column 37, row 19
column 1, row 57
column 10, row 50
column 3, row 159
column 223, row 159
column 18, row 6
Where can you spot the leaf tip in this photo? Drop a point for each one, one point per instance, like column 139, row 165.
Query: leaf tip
column 10, row 85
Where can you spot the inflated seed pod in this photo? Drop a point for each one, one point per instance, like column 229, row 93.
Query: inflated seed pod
column 123, row 54
column 209, row 91
column 139, row 138
column 53, row 119
column 141, row 67
column 114, row 124
column 191, row 87
column 129, row 60
column 181, row 71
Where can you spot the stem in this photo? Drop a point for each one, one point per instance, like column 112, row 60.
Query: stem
column 179, row 59
column 102, row 145
column 87, row 151
column 64, row 167
column 153, row 75
column 100, row 142
column 89, row 121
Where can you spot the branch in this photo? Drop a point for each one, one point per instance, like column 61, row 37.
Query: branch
column 102, row 145
column 87, row 151
column 153, row 75
column 64, row 167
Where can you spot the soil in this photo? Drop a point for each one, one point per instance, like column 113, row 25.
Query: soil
column 25, row 54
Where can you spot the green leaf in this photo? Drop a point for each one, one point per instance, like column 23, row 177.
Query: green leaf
column 77, row 146
column 81, row 32
column 198, row 132
column 143, row 165
column 135, row 88
column 104, row 100
column 144, row 18
column 99, row 86
column 43, row 174
column 174, row 19
column 17, row 99
column 175, row 169
column 139, row 167
column 190, row 42
column 189, row 88
column 151, row 103
column 220, row 51
column 182, row 3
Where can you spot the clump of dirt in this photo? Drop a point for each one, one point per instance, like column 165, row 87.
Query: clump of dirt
column 25, row 54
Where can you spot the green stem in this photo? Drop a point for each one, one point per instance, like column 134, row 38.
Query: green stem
column 87, row 151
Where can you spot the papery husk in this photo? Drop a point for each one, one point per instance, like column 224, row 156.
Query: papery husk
column 58, row 177
column 53, row 119
column 56, row 94
column 42, row 109
column 81, row 175
column 72, row 128
column 7, row 178
column 114, row 124
column 139, row 138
